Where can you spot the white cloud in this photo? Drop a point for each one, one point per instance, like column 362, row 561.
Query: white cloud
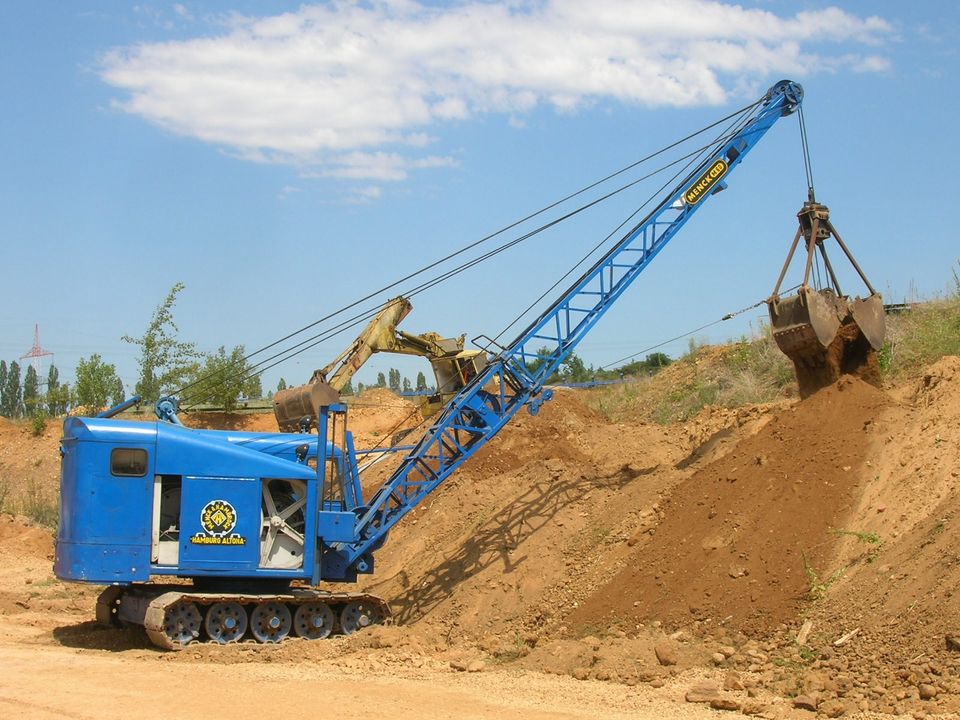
column 340, row 88
column 371, row 192
column 182, row 11
column 376, row 166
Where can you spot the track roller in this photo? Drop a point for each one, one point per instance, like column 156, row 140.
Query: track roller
column 226, row 622
column 270, row 622
column 357, row 615
column 314, row 621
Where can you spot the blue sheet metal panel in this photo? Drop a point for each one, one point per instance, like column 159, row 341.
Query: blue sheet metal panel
column 104, row 533
column 220, row 524
column 102, row 563
column 337, row 526
column 182, row 451
column 282, row 445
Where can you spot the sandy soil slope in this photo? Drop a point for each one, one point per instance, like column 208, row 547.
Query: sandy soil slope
column 585, row 568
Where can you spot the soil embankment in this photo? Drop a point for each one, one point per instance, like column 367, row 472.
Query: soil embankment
column 641, row 555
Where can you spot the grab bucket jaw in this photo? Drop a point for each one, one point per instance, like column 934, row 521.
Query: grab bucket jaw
column 870, row 317
column 806, row 323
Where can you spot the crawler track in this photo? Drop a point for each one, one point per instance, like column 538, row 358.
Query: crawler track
column 176, row 616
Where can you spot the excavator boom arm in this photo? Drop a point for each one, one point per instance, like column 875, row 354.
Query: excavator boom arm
column 484, row 406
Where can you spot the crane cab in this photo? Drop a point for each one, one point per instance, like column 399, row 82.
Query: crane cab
column 146, row 499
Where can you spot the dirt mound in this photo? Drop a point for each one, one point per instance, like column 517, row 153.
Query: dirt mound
column 20, row 537
column 519, row 534
column 377, row 414
column 746, row 536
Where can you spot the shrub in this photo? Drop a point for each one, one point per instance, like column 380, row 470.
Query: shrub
column 38, row 424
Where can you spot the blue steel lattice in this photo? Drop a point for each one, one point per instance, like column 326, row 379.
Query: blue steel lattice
column 495, row 395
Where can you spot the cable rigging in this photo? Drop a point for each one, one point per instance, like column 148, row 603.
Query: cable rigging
column 740, row 117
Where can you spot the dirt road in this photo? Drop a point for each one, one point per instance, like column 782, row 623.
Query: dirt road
column 54, row 682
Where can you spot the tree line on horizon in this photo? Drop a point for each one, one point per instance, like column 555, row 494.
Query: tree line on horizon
column 222, row 378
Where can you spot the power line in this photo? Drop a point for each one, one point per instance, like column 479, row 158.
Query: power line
column 316, row 339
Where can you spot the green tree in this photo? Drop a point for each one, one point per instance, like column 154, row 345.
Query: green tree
column 394, row 381
column 165, row 362
column 406, row 385
column 97, row 384
column 58, row 395
column 282, row 385
column 13, row 402
column 348, row 388
column 360, row 388
column 31, row 392
column 223, row 379
column 381, row 381
column 3, row 387
column 533, row 366
column 251, row 385
column 573, row 370
column 119, row 394
column 421, row 381
column 657, row 360
column 53, row 387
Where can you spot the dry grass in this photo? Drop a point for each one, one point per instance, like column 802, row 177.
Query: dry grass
column 750, row 371
column 922, row 335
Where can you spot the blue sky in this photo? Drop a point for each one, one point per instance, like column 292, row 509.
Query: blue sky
column 283, row 160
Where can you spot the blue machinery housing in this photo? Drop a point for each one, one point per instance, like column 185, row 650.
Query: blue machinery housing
column 153, row 499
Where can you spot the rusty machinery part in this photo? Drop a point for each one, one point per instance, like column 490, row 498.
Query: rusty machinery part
column 454, row 367
column 298, row 405
column 824, row 332
column 175, row 617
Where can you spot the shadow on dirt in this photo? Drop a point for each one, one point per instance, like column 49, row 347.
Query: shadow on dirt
column 705, row 448
column 91, row 635
column 495, row 540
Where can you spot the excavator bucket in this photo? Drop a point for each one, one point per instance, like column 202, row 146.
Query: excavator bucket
column 805, row 324
column 300, row 405
column 823, row 332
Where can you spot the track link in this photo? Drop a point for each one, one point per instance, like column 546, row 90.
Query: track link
column 176, row 616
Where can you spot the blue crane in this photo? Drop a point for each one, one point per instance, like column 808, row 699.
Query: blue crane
column 257, row 520
column 478, row 412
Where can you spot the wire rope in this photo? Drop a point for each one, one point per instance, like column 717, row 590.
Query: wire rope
column 311, row 342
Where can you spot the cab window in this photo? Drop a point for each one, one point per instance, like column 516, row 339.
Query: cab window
column 128, row 462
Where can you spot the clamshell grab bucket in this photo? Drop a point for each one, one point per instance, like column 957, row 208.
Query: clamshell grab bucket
column 806, row 323
column 824, row 332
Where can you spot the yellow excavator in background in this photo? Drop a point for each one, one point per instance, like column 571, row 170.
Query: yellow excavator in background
column 823, row 331
column 452, row 366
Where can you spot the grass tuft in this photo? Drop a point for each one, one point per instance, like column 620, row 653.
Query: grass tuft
column 922, row 335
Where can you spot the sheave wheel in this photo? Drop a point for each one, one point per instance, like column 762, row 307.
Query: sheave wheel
column 313, row 621
column 270, row 622
column 226, row 622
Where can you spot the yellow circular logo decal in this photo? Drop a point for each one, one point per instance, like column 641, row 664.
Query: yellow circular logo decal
column 218, row 518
